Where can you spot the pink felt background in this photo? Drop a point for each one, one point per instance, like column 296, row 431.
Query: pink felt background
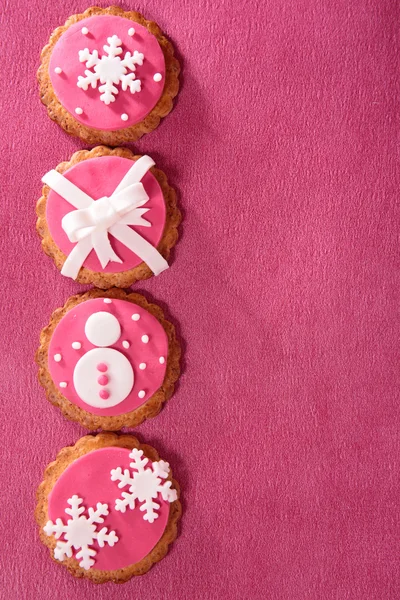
column 284, row 432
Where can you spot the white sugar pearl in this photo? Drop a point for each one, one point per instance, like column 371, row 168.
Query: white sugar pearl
column 76, row 345
column 57, row 357
column 142, row 366
column 162, row 360
column 79, row 110
column 107, row 300
column 145, row 339
column 125, row 344
column 124, row 117
column 131, row 31
column 85, row 30
column 63, row 384
column 157, row 77
column 141, row 394
column 135, row 317
column 58, row 70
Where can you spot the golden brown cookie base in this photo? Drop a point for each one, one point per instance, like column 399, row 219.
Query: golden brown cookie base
column 92, row 136
column 68, row 455
column 112, row 423
column 125, row 278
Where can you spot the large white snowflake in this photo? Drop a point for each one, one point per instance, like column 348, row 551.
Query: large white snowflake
column 144, row 485
column 80, row 532
column 110, row 70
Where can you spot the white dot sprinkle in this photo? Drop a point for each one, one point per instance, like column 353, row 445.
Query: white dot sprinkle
column 57, row 357
column 135, row 317
column 141, row 394
column 85, row 30
column 58, row 70
column 162, row 360
column 145, row 339
column 107, row 300
column 79, row 110
column 125, row 344
column 131, row 31
column 157, row 77
column 63, row 384
column 142, row 366
column 76, row 345
column 124, row 117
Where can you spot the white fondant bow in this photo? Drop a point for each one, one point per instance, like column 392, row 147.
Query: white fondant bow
column 93, row 220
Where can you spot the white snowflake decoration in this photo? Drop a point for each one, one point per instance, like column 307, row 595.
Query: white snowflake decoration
column 80, row 532
column 144, row 485
column 110, row 70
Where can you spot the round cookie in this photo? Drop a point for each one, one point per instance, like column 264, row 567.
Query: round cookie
column 108, row 359
column 108, row 508
column 108, row 76
column 108, row 217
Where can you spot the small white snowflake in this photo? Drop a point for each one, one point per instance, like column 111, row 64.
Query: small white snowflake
column 110, row 70
column 80, row 532
column 144, row 485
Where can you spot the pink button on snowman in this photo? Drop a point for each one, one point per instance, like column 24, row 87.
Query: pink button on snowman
column 103, row 377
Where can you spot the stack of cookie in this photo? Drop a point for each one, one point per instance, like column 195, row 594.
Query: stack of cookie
column 108, row 506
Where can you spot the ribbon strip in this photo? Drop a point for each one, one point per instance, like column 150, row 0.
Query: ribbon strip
column 93, row 220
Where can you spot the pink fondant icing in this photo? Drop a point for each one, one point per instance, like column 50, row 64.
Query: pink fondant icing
column 95, row 113
column 99, row 177
column 71, row 328
column 89, row 478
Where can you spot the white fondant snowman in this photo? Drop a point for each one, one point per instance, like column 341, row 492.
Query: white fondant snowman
column 103, row 377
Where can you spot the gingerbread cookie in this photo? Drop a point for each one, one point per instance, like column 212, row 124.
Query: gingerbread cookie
column 108, row 217
column 108, row 508
column 108, row 359
column 108, row 76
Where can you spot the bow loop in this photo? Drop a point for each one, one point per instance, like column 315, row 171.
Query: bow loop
column 103, row 213
column 128, row 198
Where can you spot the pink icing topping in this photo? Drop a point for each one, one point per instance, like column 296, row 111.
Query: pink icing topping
column 99, row 177
column 89, row 478
column 95, row 113
column 104, row 395
column 72, row 325
column 103, row 380
column 102, row 367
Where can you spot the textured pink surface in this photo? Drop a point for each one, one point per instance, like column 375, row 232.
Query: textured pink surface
column 90, row 478
column 72, row 329
column 99, row 177
column 95, row 112
column 284, row 431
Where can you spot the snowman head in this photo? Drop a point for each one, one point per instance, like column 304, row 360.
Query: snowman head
column 102, row 329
